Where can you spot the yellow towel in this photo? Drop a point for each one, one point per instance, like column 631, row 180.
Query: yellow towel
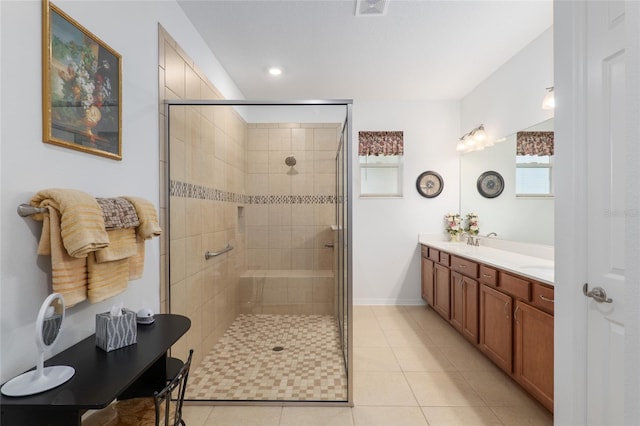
column 106, row 279
column 122, row 244
column 68, row 274
column 148, row 216
column 81, row 220
column 136, row 263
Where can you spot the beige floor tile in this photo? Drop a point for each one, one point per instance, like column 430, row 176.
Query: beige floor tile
column 407, row 337
column 457, row 416
column 422, row 359
column 363, row 313
column 448, row 388
column 428, row 319
column 391, row 318
column 374, row 359
column 370, row 336
column 496, row 389
column 468, row 360
column 196, row 415
column 449, row 337
column 388, row 416
column 524, row 416
column 316, row 416
column 243, row 416
column 382, row 389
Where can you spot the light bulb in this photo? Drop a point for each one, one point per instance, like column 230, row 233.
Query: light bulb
column 460, row 146
column 480, row 135
column 469, row 141
column 549, row 101
column 275, row 71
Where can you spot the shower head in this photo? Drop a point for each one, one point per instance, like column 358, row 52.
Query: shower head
column 290, row 161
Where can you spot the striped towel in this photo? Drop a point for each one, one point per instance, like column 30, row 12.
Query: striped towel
column 148, row 216
column 122, row 244
column 136, row 263
column 68, row 274
column 106, row 279
column 81, row 221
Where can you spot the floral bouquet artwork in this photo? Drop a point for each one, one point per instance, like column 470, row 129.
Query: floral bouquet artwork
column 453, row 226
column 472, row 227
column 82, row 105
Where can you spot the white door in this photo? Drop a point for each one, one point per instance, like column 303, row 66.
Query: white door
column 606, row 211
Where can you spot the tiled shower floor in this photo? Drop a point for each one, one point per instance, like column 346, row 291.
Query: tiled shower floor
column 244, row 367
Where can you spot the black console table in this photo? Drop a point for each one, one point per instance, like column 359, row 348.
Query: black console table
column 100, row 376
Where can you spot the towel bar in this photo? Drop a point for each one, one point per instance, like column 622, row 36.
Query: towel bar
column 25, row 210
column 209, row 254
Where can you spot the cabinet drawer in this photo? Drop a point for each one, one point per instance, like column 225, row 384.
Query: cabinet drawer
column 515, row 286
column 444, row 258
column 542, row 297
column 488, row 276
column 464, row 266
column 434, row 254
column 425, row 251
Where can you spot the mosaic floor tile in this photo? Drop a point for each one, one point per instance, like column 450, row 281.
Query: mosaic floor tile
column 244, row 365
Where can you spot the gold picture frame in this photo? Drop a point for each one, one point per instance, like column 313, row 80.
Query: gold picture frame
column 81, row 85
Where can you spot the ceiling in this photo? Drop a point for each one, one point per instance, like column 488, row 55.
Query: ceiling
column 417, row 50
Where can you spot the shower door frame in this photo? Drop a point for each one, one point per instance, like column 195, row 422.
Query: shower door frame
column 347, row 233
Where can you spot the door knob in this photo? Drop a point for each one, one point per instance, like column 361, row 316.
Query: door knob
column 598, row 294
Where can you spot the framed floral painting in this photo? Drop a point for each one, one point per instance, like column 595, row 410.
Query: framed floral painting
column 82, row 87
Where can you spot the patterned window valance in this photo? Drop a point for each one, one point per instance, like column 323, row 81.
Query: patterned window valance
column 380, row 143
column 534, row 143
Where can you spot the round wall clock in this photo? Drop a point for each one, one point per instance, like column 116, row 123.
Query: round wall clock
column 490, row 184
column 429, row 184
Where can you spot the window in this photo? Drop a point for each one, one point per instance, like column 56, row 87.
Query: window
column 534, row 163
column 380, row 155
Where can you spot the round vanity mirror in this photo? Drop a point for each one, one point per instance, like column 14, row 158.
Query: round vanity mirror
column 48, row 327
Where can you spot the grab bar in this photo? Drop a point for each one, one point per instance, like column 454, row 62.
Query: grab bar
column 209, row 254
column 25, row 210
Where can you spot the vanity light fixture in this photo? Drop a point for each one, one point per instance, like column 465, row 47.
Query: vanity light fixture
column 275, row 71
column 475, row 140
column 549, row 101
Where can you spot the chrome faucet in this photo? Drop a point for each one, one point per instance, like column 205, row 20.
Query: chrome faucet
column 492, row 234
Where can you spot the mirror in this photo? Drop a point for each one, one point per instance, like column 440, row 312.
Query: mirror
column 48, row 326
column 517, row 218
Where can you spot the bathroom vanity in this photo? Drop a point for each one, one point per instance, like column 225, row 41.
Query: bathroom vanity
column 499, row 300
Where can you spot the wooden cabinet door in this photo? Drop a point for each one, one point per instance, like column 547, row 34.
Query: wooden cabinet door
column 496, row 327
column 533, row 352
column 457, row 301
column 464, row 306
column 441, row 291
column 470, row 309
column 427, row 280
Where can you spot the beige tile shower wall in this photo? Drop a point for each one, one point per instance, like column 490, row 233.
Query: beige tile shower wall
column 207, row 153
column 283, row 235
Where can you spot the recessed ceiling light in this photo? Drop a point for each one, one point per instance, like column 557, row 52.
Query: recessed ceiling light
column 371, row 7
column 275, row 71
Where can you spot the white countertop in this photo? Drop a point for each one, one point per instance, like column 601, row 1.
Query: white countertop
column 536, row 268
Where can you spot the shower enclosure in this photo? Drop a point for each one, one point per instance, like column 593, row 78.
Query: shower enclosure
column 258, row 251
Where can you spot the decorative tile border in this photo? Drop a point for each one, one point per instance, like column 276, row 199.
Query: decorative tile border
column 189, row 190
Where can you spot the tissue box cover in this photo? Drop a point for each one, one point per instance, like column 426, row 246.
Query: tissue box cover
column 115, row 332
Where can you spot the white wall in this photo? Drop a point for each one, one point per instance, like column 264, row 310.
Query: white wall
column 506, row 102
column 27, row 165
column 386, row 258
